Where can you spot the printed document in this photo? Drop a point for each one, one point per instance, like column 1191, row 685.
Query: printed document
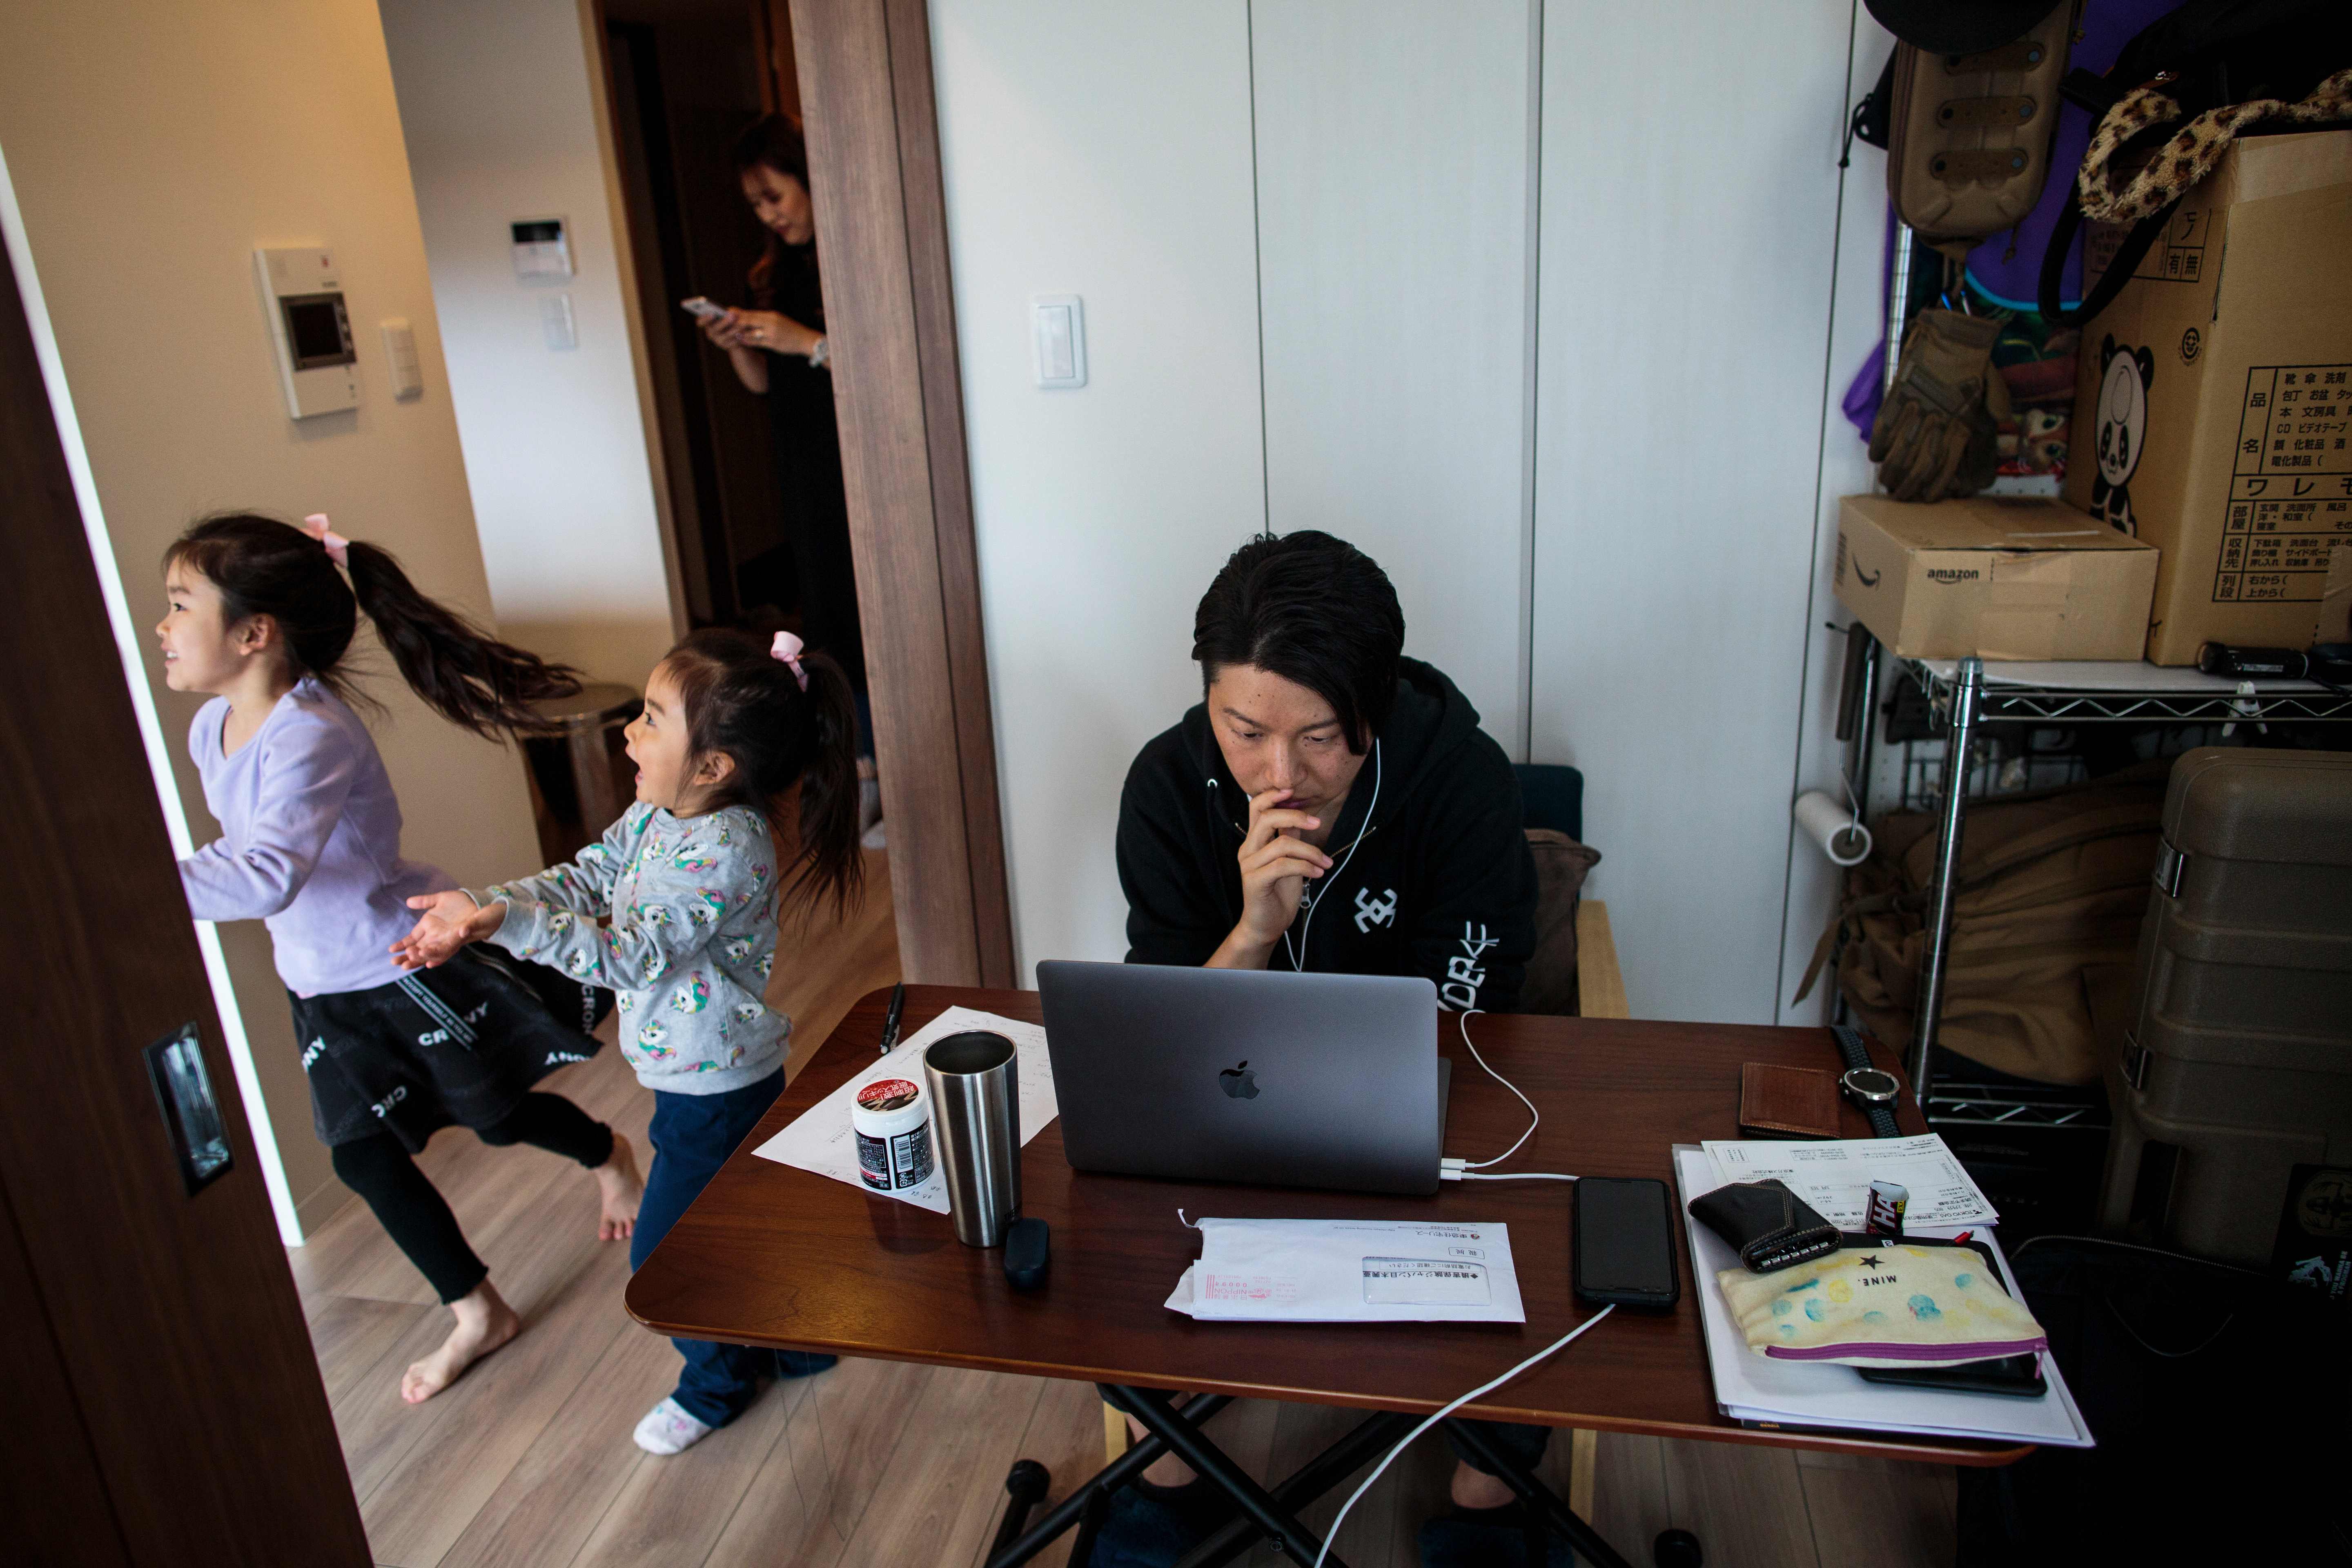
column 1835, row 1177
column 820, row 1139
column 1350, row 1272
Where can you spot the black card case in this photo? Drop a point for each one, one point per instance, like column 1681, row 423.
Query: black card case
column 1768, row 1226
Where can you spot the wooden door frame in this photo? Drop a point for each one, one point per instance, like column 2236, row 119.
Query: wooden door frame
column 873, row 136
column 867, row 111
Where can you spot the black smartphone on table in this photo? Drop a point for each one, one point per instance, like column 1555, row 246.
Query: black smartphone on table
column 1624, row 1248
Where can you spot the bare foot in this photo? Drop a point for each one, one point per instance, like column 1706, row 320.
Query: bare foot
column 485, row 1322
column 1477, row 1489
column 619, row 1189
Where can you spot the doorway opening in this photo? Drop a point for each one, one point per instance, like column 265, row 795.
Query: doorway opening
column 754, row 493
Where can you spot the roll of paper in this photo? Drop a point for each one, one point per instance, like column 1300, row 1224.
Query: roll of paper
column 1828, row 824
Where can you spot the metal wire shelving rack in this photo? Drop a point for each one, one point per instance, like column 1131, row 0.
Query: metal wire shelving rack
column 1963, row 700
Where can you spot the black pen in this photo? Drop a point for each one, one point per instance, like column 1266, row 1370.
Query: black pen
column 890, row 1025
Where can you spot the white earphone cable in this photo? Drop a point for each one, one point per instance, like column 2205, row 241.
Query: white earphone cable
column 1296, row 960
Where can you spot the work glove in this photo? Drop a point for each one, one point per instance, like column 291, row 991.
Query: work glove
column 1935, row 435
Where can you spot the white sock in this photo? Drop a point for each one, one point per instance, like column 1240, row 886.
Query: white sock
column 668, row 1429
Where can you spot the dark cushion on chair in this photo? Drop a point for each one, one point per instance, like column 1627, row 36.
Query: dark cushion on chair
column 1551, row 795
column 1560, row 866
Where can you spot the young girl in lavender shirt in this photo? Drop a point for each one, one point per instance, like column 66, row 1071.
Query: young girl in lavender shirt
column 677, row 910
column 261, row 617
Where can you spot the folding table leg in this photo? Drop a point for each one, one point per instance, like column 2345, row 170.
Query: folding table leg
column 1555, row 1513
column 1283, row 1530
column 1067, row 1512
column 1327, row 1469
column 1024, row 1489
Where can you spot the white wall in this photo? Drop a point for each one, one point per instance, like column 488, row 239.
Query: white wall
column 502, row 108
column 152, row 146
column 1105, row 152
column 1690, row 188
column 1661, row 374
column 1394, row 205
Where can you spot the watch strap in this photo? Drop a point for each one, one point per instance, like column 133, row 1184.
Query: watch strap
column 1857, row 1055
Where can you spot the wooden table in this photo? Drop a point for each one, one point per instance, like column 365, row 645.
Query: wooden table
column 771, row 1255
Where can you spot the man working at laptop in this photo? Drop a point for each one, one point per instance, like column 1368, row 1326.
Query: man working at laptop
column 1325, row 768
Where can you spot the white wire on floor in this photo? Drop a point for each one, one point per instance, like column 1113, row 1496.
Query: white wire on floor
column 1554, row 1348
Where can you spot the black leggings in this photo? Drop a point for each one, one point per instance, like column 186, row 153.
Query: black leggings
column 415, row 1214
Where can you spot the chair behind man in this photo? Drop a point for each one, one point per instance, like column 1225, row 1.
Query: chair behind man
column 1573, row 970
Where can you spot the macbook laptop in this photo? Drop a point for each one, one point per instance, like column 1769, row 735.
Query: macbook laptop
column 1247, row 1075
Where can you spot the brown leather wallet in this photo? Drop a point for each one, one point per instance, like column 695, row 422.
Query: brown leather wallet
column 1787, row 1102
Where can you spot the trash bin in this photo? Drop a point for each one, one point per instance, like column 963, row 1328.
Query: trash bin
column 580, row 779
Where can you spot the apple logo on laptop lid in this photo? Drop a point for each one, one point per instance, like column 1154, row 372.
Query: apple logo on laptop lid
column 1239, row 1082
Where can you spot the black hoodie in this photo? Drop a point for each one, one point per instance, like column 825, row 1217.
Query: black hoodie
column 1438, row 882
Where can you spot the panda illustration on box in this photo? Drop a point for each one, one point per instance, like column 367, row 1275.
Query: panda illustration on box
column 2124, row 375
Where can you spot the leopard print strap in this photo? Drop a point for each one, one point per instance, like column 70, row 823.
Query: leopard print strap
column 2192, row 151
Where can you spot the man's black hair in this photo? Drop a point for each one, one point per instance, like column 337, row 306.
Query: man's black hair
column 1313, row 610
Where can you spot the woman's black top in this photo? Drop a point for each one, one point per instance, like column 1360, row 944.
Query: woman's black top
column 807, row 446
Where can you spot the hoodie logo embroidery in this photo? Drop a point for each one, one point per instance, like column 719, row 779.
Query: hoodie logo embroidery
column 1463, row 973
column 1371, row 911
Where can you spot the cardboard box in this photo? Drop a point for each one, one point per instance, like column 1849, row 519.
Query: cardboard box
column 2213, row 408
column 2005, row 577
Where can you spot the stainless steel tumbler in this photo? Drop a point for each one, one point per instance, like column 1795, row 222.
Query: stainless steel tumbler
column 976, row 1120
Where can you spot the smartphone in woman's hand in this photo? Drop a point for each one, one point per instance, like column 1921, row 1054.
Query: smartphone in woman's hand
column 702, row 309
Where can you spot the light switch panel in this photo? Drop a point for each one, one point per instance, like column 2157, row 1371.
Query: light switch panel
column 1057, row 330
column 400, row 353
column 555, row 320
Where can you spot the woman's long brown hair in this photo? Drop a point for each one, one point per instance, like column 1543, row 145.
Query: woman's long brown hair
column 772, row 142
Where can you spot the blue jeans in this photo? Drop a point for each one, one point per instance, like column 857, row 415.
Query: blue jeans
column 692, row 1135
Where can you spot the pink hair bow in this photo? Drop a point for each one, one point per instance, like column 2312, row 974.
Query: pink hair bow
column 315, row 525
column 787, row 648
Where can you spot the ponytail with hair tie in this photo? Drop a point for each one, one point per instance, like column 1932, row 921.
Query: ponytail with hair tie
column 788, row 719
column 264, row 567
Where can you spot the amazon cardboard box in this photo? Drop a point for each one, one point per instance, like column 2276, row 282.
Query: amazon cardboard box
column 2213, row 412
column 2002, row 576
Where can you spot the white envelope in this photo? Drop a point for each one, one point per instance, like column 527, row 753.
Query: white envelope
column 1350, row 1272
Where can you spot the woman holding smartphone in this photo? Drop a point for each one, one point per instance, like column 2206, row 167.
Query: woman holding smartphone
column 778, row 348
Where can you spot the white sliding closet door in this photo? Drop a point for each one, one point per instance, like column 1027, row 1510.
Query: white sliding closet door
column 1689, row 189
column 1394, row 163
column 1101, row 151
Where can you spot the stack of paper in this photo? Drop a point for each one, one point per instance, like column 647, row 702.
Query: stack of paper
column 1764, row 1391
column 1835, row 1177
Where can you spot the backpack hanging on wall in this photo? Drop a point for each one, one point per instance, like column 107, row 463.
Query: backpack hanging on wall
column 1968, row 133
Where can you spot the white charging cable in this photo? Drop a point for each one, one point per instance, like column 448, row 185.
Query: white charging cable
column 1558, row 1345
column 1452, row 1170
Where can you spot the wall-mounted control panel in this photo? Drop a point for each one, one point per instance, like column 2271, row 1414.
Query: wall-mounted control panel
column 310, row 329
column 542, row 250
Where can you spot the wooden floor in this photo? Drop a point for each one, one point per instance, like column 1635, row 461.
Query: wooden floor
column 527, row 1461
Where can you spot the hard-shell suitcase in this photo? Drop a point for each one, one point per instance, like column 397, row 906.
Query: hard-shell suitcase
column 2233, row 1090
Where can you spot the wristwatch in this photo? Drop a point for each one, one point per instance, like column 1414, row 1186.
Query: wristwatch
column 819, row 353
column 1873, row 1089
